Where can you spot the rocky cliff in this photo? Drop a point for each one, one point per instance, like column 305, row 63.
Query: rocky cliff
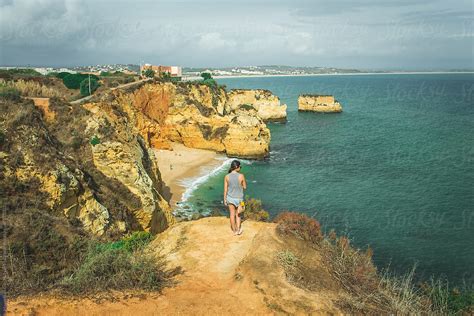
column 266, row 104
column 196, row 115
column 319, row 103
column 86, row 165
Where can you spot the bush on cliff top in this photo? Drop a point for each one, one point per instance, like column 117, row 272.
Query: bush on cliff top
column 300, row 226
column 254, row 210
column 9, row 93
column 73, row 81
column 367, row 291
column 123, row 264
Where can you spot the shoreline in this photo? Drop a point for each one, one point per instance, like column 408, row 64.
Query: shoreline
column 337, row 74
column 183, row 169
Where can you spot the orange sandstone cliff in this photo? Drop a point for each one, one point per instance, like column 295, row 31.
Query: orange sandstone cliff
column 195, row 115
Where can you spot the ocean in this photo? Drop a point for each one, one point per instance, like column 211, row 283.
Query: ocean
column 393, row 171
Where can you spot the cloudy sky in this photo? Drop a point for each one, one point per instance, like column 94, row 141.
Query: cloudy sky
column 369, row 34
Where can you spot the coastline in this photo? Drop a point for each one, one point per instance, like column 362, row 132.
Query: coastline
column 183, row 168
column 337, row 74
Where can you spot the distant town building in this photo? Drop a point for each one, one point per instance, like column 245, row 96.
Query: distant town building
column 173, row 71
column 66, row 70
column 43, row 71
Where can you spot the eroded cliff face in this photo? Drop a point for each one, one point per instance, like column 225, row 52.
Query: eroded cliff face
column 196, row 115
column 319, row 103
column 266, row 104
column 108, row 187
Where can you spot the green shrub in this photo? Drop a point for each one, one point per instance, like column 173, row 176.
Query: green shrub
column 287, row 258
column 73, row 81
column 149, row 73
column 20, row 72
column 95, row 140
column 118, row 265
column 61, row 75
column 105, row 74
column 115, row 268
column 88, row 84
column 206, row 76
column 210, row 82
column 9, row 93
column 254, row 210
column 137, row 241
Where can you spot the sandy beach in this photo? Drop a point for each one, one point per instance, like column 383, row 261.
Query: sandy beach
column 183, row 163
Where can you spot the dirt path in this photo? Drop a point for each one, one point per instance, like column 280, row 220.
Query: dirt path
column 223, row 275
column 125, row 85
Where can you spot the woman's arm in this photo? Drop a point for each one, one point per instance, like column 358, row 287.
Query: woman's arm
column 243, row 182
column 226, row 185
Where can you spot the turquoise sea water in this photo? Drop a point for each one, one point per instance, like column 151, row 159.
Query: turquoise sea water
column 393, row 171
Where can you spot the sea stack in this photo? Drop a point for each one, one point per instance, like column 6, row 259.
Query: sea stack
column 318, row 103
column 267, row 105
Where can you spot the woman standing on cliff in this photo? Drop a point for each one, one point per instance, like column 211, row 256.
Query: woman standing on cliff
column 234, row 186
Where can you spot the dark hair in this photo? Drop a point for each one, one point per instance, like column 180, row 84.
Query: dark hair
column 235, row 164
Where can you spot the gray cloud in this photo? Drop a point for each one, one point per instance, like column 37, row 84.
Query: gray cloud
column 357, row 33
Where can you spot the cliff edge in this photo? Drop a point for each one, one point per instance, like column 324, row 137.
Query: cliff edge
column 223, row 274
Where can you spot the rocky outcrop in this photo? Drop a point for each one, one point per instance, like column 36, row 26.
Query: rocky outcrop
column 127, row 159
column 319, row 103
column 43, row 104
column 124, row 163
column 266, row 104
column 195, row 115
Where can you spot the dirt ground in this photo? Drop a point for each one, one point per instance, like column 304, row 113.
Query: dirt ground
column 222, row 274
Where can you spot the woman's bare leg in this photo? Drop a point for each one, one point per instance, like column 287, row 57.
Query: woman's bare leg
column 232, row 217
column 237, row 218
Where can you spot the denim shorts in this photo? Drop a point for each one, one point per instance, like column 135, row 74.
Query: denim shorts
column 234, row 201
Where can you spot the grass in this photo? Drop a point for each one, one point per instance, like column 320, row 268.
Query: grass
column 119, row 265
column 9, row 93
column 287, row 259
column 366, row 290
column 20, row 72
column 30, row 88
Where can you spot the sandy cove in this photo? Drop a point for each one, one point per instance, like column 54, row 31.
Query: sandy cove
column 181, row 164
